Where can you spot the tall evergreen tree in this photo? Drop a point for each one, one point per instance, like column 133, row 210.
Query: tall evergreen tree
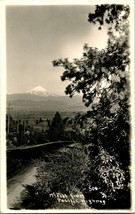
column 57, row 128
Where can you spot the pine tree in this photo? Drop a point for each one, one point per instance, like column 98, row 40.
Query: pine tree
column 57, row 128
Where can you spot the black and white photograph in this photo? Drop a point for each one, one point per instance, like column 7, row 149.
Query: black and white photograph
column 68, row 107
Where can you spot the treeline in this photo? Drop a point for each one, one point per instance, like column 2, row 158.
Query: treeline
column 20, row 132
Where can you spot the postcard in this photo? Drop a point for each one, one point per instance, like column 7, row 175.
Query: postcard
column 67, row 106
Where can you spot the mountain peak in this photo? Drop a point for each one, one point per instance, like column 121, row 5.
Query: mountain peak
column 39, row 90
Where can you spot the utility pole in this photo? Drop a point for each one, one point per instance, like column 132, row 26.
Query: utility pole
column 17, row 124
column 24, row 124
column 8, row 118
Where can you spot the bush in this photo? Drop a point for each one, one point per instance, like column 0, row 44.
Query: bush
column 107, row 175
column 32, row 199
column 59, row 172
column 62, row 171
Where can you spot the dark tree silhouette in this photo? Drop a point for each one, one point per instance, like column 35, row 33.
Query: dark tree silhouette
column 56, row 128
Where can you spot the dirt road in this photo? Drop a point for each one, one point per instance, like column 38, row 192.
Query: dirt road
column 14, row 186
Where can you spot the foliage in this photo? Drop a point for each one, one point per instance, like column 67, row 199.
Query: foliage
column 62, row 171
column 57, row 128
column 113, row 15
column 102, row 76
column 109, row 172
column 12, row 125
column 98, row 74
column 30, row 199
column 107, row 176
column 101, row 72
column 58, row 172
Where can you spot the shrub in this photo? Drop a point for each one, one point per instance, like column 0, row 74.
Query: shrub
column 59, row 172
column 62, row 171
column 107, row 175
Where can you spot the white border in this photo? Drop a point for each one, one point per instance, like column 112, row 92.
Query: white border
column 132, row 80
column 3, row 5
column 64, row 2
column 3, row 104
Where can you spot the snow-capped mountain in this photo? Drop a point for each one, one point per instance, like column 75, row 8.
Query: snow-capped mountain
column 39, row 99
column 40, row 91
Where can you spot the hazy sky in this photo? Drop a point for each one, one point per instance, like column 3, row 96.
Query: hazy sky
column 36, row 35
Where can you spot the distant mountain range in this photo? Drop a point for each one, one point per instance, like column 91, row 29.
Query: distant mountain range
column 39, row 99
